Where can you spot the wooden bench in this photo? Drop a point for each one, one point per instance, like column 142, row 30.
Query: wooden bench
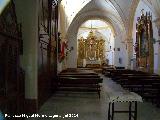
column 146, row 87
column 79, row 75
column 143, row 85
column 91, row 84
column 82, row 72
column 134, row 76
column 113, row 72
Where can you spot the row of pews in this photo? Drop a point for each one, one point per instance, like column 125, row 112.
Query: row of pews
column 80, row 80
column 145, row 84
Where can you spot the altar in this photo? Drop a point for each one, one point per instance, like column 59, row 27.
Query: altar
column 90, row 51
column 91, row 63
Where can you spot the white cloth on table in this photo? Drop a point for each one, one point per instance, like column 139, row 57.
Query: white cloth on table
column 125, row 96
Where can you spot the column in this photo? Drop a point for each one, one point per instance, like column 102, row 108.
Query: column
column 130, row 51
column 157, row 23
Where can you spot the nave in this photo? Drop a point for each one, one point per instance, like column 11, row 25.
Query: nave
column 39, row 39
column 89, row 107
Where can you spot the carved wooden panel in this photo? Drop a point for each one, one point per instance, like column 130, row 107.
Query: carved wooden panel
column 8, row 21
column 47, row 48
column 10, row 71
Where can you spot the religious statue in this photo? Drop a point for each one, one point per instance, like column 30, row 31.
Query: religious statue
column 81, row 47
column 91, row 44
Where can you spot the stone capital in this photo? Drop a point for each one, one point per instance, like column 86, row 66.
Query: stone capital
column 129, row 40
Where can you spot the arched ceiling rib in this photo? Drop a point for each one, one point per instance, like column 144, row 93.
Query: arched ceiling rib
column 72, row 7
column 99, row 27
column 73, row 29
column 119, row 12
column 103, row 8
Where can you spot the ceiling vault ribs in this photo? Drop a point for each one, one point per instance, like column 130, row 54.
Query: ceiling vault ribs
column 111, row 6
column 115, row 4
column 119, row 13
column 119, row 10
column 133, row 7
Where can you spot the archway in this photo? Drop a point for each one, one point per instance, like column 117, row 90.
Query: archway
column 118, row 34
column 95, row 42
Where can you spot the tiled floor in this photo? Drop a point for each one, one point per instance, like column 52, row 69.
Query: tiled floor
column 89, row 107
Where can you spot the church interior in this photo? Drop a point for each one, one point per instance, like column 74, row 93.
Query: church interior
column 80, row 59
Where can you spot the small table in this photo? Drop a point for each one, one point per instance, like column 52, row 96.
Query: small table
column 125, row 96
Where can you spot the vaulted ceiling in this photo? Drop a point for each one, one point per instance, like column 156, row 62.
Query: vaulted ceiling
column 119, row 13
column 116, row 12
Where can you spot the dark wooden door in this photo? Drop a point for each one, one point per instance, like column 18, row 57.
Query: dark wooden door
column 11, row 74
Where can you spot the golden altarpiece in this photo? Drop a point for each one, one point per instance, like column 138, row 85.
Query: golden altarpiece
column 144, row 43
column 90, row 51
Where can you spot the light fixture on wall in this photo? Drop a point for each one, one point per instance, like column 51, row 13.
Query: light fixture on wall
column 69, row 50
column 157, row 41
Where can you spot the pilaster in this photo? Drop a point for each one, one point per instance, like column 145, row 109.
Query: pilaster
column 130, row 51
column 157, row 23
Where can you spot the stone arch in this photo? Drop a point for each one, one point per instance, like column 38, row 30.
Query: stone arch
column 73, row 30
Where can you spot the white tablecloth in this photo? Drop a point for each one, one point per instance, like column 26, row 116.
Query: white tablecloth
column 125, row 96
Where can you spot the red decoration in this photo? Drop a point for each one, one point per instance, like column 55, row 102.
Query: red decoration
column 62, row 53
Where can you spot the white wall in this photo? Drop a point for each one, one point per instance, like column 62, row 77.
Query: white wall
column 141, row 6
column 72, row 56
column 122, row 54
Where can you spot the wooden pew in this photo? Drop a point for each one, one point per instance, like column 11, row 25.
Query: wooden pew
column 80, row 84
column 79, row 75
column 78, row 72
column 105, row 70
column 112, row 73
column 79, row 80
column 130, row 76
column 144, row 85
